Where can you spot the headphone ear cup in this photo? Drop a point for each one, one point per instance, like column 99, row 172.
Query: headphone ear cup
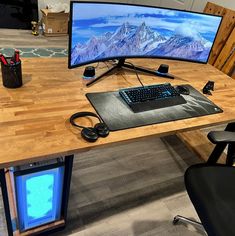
column 90, row 134
column 102, row 129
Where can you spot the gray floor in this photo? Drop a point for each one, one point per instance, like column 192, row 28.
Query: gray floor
column 131, row 189
column 125, row 190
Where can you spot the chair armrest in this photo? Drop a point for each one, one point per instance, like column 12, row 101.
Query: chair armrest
column 221, row 137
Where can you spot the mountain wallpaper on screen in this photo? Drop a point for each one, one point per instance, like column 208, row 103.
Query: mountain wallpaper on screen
column 112, row 31
column 129, row 40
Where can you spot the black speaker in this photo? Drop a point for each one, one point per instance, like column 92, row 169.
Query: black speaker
column 163, row 68
column 89, row 72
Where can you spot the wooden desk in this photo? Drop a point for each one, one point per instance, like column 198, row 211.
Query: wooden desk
column 34, row 118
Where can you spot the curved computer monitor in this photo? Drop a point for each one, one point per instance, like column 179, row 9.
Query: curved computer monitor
column 104, row 31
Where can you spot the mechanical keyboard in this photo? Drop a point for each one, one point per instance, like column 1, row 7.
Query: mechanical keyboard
column 151, row 97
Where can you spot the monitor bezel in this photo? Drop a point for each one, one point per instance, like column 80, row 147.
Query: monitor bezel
column 132, row 57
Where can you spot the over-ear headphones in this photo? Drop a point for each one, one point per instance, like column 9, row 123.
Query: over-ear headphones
column 90, row 134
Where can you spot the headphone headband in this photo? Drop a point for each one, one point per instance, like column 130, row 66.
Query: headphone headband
column 82, row 114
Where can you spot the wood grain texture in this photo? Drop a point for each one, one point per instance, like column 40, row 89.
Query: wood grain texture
column 11, row 38
column 226, row 28
column 130, row 189
column 232, row 73
column 41, row 229
column 11, row 195
column 226, row 58
column 34, row 121
column 229, row 67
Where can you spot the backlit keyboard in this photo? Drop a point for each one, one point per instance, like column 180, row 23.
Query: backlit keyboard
column 151, row 97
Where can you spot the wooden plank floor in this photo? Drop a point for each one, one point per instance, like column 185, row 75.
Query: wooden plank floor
column 126, row 190
column 130, row 189
column 11, row 38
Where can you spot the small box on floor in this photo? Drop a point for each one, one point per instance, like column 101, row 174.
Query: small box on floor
column 54, row 23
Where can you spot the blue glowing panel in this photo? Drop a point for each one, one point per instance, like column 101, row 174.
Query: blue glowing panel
column 39, row 193
column 39, row 196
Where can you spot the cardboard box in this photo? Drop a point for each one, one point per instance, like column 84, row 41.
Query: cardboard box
column 54, row 23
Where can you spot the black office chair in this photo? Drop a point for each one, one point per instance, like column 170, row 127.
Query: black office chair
column 211, row 188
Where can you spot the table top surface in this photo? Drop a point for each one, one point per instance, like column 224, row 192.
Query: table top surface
column 34, row 119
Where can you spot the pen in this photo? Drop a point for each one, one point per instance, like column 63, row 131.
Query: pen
column 3, row 59
column 12, row 61
column 17, row 55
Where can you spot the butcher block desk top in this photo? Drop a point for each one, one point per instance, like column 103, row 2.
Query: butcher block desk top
column 34, row 119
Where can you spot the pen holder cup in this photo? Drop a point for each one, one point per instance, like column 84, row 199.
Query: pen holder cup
column 11, row 75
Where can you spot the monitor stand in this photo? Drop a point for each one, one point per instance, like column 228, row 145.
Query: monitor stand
column 121, row 64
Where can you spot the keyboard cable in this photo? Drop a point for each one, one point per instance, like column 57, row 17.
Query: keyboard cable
column 135, row 72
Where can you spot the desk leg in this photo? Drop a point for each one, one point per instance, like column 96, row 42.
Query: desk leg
column 231, row 154
column 67, row 181
column 6, row 202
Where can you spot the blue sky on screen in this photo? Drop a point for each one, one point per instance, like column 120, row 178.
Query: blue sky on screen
column 96, row 19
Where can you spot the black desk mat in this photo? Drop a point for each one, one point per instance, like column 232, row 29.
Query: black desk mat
column 117, row 114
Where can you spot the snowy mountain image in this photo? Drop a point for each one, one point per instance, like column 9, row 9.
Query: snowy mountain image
column 127, row 40
column 113, row 31
column 184, row 46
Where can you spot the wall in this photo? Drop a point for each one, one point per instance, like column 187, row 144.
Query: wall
column 199, row 5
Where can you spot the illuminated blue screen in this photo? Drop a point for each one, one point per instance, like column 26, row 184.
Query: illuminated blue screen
column 39, row 197
column 101, row 31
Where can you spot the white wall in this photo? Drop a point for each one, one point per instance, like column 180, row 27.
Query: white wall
column 199, row 5
column 147, row 2
column 178, row 4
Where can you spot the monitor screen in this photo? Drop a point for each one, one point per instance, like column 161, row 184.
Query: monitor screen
column 103, row 31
